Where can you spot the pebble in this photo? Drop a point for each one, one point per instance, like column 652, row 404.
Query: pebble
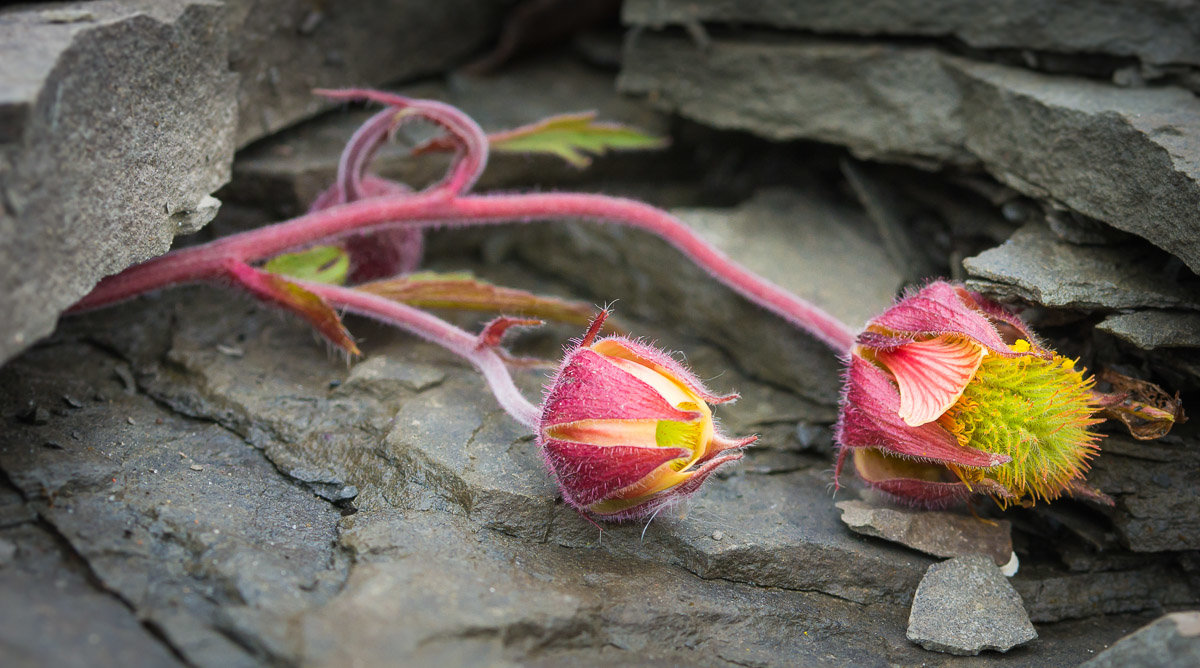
column 965, row 606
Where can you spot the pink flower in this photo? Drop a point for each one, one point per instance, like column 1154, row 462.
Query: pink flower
column 625, row 429
column 948, row 394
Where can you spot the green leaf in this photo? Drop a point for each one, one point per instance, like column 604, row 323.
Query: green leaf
column 573, row 137
column 319, row 264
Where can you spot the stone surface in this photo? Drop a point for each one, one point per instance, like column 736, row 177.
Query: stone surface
column 52, row 615
column 453, row 511
column 117, row 124
column 1159, row 32
column 180, row 519
column 1036, row 266
column 917, row 104
column 1157, row 486
column 283, row 49
column 1172, row 641
column 940, row 533
column 1149, row 330
column 965, row 606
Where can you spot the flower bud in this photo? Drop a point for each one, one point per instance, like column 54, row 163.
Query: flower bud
column 625, row 429
column 948, row 394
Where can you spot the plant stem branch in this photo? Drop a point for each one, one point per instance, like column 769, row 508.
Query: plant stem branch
column 438, row 207
column 438, row 331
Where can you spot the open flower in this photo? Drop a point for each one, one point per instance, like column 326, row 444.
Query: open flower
column 625, row 429
column 948, row 394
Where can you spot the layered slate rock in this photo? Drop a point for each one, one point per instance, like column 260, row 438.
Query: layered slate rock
column 283, row 49
column 1171, row 641
column 1038, row 266
column 118, row 121
column 215, row 532
column 1160, row 32
column 1123, row 156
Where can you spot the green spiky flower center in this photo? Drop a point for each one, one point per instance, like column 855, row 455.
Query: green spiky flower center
column 1038, row 412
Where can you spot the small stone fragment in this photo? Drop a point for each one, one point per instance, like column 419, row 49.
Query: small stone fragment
column 964, row 606
column 35, row 414
column 1155, row 329
column 196, row 467
column 1171, row 641
column 942, row 534
column 718, row 535
column 1036, row 265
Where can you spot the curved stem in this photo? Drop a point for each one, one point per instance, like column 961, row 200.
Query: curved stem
column 438, row 208
column 435, row 330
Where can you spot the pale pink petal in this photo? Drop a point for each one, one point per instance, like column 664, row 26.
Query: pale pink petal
column 931, row 375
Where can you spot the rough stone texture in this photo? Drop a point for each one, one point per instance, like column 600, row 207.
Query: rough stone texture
column 940, row 533
column 966, row 605
column 54, row 616
column 230, row 557
column 1042, row 135
column 118, row 122
column 1149, row 330
column 1037, row 266
column 1157, row 487
column 1172, row 641
column 283, row 49
column 1158, row 32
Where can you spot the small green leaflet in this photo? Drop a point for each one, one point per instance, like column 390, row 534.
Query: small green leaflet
column 319, row 264
column 573, row 137
column 461, row 291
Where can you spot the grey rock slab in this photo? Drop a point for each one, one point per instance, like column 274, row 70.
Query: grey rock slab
column 500, row 600
column 283, row 49
column 1051, row 596
column 1042, row 135
column 1171, row 641
column 193, row 529
column 1156, row 484
column 1150, row 330
column 52, row 615
column 1126, row 157
column 965, row 606
column 1037, row 266
column 116, row 127
column 1158, row 32
column 756, row 569
column 882, row 101
column 940, row 533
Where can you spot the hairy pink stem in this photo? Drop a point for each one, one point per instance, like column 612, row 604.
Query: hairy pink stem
column 360, row 150
column 438, row 331
column 471, row 140
column 432, row 209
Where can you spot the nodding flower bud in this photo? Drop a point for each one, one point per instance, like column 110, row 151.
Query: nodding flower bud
column 626, row 429
column 948, row 394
